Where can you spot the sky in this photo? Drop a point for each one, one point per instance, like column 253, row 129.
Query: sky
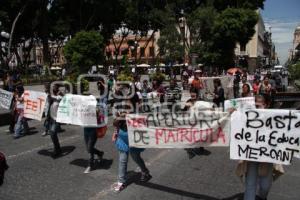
column 283, row 16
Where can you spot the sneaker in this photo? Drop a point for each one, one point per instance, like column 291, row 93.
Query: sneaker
column 45, row 133
column 87, row 170
column 145, row 177
column 119, row 187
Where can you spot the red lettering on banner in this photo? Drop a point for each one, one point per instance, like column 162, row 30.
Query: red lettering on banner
column 158, row 134
column 34, row 105
column 137, row 122
column 221, row 134
column 170, row 135
column 190, row 135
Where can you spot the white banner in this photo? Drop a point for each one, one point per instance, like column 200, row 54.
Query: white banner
column 240, row 104
column 178, row 130
column 271, row 136
column 34, row 104
column 77, row 110
column 227, row 84
column 5, row 99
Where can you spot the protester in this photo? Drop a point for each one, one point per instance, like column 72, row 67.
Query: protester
column 258, row 175
column 219, row 95
column 47, row 111
column 53, row 125
column 21, row 127
column 120, row 138
column 90, row 138
column 157, row 95
column 192, row 152
column 265, row 90
column 146, row 88
column 256, row 86
column 246, row 91
column 196, row 82
column 3, row 167
column 244, row 81
column 102, row 89
column 173, row 93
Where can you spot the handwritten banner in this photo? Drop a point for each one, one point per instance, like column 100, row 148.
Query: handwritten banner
column 240, row 104
column 5, row 99
column 265, row 136
column 178, row 130
column 34, row 104
column 227, row 84
column 77, row 110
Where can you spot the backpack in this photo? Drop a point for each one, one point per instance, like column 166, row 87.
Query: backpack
column 3, row 167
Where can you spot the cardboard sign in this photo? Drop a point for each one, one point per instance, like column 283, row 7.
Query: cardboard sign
column 34, row 104
column 240, row 104
column 178, row 130
column 77, row 110
column 5, row 99
column 270, row 136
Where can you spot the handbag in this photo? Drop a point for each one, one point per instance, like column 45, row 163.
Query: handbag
column 101, row 131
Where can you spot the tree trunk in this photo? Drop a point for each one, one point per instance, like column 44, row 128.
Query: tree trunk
column 45, row 32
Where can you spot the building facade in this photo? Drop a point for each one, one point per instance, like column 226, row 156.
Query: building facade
column 295, row 51
column 259, row 51
column 136, row 49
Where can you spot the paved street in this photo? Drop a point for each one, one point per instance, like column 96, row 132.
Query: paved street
column 33, row 174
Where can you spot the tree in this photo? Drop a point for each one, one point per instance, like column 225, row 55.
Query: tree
column 84, row 50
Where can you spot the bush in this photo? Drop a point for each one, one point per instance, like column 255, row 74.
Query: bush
column 294, row 70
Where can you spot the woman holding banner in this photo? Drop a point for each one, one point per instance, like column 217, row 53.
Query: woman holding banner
column 91, row 135
column 120, row 138
column 258, row 175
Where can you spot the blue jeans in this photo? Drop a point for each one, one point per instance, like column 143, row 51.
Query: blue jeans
column 123, row 160
column 21, row 126
column 254, row 182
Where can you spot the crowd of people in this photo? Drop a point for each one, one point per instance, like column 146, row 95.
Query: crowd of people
column 116, row 96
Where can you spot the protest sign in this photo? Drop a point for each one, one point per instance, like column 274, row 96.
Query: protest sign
column 5, row 99
column 77, row 110
column 240, row 104
column 265, row 135
column 34, row 104
column 178, row 130
column 208, row 84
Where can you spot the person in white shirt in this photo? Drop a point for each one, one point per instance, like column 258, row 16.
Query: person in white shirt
column 21, row 127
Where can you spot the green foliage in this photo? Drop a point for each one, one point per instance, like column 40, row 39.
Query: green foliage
column 158, row 76
column 84, row 50
column 294, row 70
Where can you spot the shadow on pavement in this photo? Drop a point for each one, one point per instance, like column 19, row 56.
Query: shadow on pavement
column 238, row 196
column 65, row 151
column 176, row 191
column 103, row 164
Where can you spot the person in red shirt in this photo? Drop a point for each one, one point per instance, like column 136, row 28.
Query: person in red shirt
column 256, row 86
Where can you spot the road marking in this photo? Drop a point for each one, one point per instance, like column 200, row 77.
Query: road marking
column 41, row 147
column 110, row 189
